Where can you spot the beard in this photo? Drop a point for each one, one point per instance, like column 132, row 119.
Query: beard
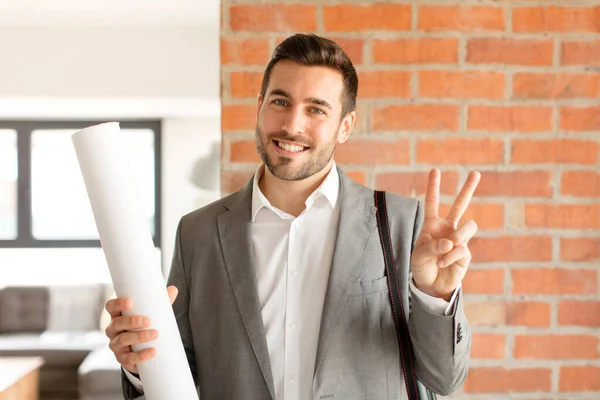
column 316, row 158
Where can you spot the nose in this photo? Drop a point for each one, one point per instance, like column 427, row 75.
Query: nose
column 294, row 121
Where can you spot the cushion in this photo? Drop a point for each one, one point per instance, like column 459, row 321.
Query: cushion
column 23, row 309
column 99, row 373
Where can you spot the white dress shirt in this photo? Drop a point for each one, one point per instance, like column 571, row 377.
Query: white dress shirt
column 293, row 258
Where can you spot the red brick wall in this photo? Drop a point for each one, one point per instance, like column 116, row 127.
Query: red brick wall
column 510, row 88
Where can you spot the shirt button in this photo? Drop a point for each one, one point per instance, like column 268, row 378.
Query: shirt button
column 292, row 381
column 293, row 326
column 295, row 273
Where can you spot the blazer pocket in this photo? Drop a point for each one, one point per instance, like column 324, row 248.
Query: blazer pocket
column 369, row 294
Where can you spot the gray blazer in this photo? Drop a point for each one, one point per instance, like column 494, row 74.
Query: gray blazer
column 220, row 320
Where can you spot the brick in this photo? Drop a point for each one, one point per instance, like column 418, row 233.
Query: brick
column 415, row 183
column 502, row 380
column 580, row 183
column 530, row 314
column 579, row 313
column 353, row 48
column 377, row 84
column 498, row 313
column 555, row 151
column 556, row 347
column 556, row 19
column 244, row 151
column 245, row 51
column 515, row 184
column 555, row 86
column 511, row 248
column 580, row 53
column 486, row 215
column 554, row 281
column 461, row 151
column 238, row 117
column 563, row 216
column 488, row 346
column 578, row 119
column 415, row 51
column 357, row 176
column 245, row 84
column 522, row 119
column 484, row 281
column 579, row 379
column 580, row 249
column 531, row 52
column 273, row 17
column 461, row 18
column 461, row 84
column 232, row 181
column 373, row 152
column 378, row 17
column 481, row 313
column 418, row 117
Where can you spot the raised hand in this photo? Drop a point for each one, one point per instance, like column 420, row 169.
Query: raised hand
column 441, row 255
column 124, row 331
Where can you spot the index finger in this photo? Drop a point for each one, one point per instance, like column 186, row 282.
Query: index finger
column 432, row 195
column 464, row 198
column 116, row 306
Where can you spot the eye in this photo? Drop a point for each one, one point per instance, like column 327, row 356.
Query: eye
column 315, row 110
column 279, row 102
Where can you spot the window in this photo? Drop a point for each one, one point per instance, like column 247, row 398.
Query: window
column 43, row 201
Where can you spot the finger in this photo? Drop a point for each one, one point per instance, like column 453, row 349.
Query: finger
column 432, row 195
column 126, row 323
column 118, row 305
column 459, row 253
column 126, row 339
column 173, row 291
column 464, row 234
column 130, row 360
column 464, row 197
column 433, row 249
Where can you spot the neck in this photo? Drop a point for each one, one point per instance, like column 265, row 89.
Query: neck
column 290, row 196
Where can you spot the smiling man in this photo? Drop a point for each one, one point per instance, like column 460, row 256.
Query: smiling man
column 282, row 290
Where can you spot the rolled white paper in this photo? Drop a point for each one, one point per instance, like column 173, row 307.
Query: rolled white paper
column 130, row 255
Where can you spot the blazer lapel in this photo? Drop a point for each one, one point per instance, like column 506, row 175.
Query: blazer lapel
column 357, row 218
column 234, row 232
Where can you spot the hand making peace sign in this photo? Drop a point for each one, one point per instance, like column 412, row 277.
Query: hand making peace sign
column 441, row 256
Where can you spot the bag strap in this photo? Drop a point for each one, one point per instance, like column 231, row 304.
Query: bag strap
column 404, row 343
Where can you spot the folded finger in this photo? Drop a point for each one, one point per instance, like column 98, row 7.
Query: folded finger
column 118, row 305
column 127, row 339
column 464, row 233
column 457, row 254
column 424, row 253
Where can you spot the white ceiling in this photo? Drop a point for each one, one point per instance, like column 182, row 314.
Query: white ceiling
column 109, row 12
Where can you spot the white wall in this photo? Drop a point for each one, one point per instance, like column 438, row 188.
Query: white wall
column 109, row 61
column 111, row 73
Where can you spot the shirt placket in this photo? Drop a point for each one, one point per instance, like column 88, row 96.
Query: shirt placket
column 292, row 340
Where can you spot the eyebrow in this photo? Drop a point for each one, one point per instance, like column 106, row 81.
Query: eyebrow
column 311, row 100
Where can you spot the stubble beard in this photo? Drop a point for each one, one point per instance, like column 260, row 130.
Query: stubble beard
column 281, row 167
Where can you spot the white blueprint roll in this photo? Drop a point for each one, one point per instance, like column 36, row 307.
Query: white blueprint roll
column 129, row 251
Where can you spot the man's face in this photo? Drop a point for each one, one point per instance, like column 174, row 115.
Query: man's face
column 298, row 123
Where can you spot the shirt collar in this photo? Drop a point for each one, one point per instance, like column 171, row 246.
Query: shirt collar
column 329, row 188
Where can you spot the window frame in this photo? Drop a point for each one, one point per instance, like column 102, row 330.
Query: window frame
column 24, row 129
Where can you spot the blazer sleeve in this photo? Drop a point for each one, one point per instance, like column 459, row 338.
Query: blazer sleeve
column 180, row 278
column 442, row 343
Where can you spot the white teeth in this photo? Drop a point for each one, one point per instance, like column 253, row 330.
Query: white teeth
column 290, row 148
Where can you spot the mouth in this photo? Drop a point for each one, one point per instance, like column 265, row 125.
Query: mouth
column 290, row 147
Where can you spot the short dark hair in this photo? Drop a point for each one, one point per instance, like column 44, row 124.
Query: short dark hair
column 312, row 50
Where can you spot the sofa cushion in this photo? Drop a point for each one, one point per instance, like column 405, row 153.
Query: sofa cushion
column 75, row 308
column 23, row 309
column 99, row 373
column 57, row 348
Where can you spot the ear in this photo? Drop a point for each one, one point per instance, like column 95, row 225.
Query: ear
column 259, row 100
column 346, row 127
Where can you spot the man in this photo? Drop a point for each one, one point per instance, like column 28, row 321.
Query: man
column 280, row 290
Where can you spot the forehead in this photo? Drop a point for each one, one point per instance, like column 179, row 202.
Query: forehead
column 302, row 81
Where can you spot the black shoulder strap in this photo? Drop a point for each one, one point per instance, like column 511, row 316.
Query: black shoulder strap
column 404, row 343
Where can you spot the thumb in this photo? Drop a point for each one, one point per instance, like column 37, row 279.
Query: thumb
column 172, row 291
column 423, row 254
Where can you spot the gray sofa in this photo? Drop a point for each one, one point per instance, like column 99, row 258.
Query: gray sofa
column 62, row 325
